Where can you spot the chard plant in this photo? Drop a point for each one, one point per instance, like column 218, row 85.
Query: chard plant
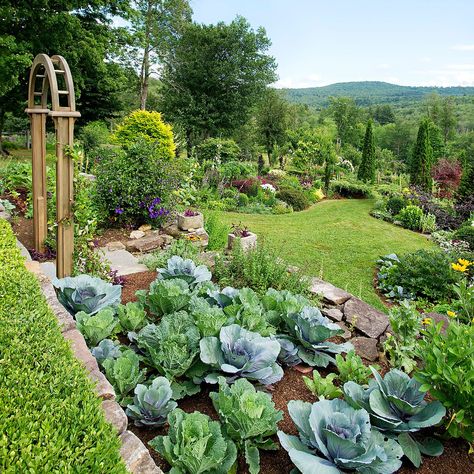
column 323, row 387
column 352, row 368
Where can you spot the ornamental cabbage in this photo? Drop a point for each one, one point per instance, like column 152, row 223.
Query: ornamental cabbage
column 195, row 444
column 342, row 436
column 165, row 296
column 124, row 374
column 241, row 353
column 279, row 304
column 172, row 345
column 309, row 329
column 249, row 418
column 224, row 297
column 96, row 327
column 186, row 270
column 106, row 349
column 152, row 404
column 86, row 293
column 397, row 407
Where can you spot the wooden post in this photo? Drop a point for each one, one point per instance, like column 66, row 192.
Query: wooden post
column 38, row 153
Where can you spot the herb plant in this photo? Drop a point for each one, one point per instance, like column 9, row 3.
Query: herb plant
column 249, row 418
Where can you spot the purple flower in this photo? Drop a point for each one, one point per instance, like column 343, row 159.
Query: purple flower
column 118, row 210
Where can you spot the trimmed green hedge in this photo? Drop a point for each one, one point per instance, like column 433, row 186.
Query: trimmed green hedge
column 50, row 417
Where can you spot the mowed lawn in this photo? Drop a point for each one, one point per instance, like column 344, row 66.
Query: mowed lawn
column 336, row 240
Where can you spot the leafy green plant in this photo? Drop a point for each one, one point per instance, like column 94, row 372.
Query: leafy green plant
column 151, row 404
column 397, row 407
column 293, row 197
column 279, row 304
column 107, row 349
column 132, row 316
column 450, row 353
column 165, row 296
column 421, row 274
column 411, row 217
column 184, row 248
column 352, row 368
column 186, row 270
column 208, row 319
column 220, row 150
column 342, row 435
column 249, row 418
column 216, row 230
column 428, row 223
column 171, row 346
column 124, row 374
column 195, row 444
column 400, row 346
column 96, row 327
column 241, row 353
column 395, row 204
column 259, row 269
column 465, row 299
column 85, row 293
column 323, row 387
column 310, row 331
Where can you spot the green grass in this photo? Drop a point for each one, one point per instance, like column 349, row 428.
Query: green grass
column 335, row 240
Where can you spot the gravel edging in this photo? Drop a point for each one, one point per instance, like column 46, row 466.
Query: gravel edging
column 134, row 453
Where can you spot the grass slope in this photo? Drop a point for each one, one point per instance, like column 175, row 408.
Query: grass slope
column 335, row 240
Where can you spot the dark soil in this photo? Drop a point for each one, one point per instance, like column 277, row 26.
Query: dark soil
column 455, row 459
column 112, row 235
column 23, row 228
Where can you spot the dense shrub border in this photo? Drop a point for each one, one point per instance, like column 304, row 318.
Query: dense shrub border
column 50, row 418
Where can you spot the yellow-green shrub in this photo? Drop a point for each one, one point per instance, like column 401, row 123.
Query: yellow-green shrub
column 149, row 126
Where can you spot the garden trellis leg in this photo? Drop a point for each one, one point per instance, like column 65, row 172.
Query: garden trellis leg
column 47, row 70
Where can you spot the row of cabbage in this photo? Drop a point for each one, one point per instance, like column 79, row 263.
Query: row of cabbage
column 189, row 331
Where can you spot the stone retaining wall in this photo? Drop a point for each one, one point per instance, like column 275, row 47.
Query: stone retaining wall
column 134, row 453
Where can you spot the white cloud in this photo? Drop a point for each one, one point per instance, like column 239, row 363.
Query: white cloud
column 463, row 47
column 312, row 80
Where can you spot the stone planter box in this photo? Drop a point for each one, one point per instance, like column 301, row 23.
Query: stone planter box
column 191, row 222
column 246, row 243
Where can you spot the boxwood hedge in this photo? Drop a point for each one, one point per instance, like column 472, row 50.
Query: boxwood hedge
column 50, row 418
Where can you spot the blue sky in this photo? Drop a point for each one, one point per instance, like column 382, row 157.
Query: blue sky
column 408, row 42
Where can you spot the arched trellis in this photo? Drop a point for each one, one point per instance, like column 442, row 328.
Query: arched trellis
column 45, row 74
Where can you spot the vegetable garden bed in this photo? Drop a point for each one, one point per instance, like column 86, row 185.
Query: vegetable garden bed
column 455, row 458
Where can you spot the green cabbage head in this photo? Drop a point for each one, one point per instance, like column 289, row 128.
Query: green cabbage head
column 97, row 327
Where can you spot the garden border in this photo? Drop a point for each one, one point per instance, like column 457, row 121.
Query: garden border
column 134, row 453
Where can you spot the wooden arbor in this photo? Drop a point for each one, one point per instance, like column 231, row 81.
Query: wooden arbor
column 43, row 89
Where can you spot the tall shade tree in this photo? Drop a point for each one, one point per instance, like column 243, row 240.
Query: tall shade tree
column 79, row 30
column 422, row 159
column 214, row 76
column 272, row 121
column 346, row 114
column 156, row 26
column 367, row 166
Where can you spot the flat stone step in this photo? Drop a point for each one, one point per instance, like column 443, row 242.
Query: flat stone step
column 369, row 321
column 330, row 293
column 123, row 262
column 147, row 243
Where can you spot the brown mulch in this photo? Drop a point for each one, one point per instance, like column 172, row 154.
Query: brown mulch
column 112, row 235
column 455, row 459
column 23, row 229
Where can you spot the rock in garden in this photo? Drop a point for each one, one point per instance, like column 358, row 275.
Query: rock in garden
column 137, row 234
column 333, row 313
column 172, row 230
column 347, row 334
column 365, row 347
column 145, row 244
column 115, row 415
column 365, row 318
column 103, row 387
column 5, row 215
column 144, row 228
column 437, row 318
column 330, row 293
column 80, row 349
column 2, row 207
column 115, row 245
column 136, row 456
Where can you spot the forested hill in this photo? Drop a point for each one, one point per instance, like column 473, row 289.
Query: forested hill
column 370, row 92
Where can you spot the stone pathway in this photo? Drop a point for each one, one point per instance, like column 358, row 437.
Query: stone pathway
column 122, row 261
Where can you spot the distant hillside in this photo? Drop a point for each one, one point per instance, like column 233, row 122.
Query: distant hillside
column 370, row 92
